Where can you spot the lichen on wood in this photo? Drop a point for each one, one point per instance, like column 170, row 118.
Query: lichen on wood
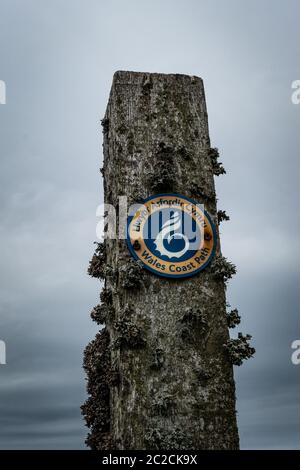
column 131, row 274
column 101, row 313
column 128, row 333
column 193, row 324
column 222, row 268
column 239, row 349
column 97, row 264
column 159, row 438
column 233, row 318
column 96, row 409
column 222, row 216
column 217, row 166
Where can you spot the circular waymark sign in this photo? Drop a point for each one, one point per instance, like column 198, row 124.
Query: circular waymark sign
column 171, row 235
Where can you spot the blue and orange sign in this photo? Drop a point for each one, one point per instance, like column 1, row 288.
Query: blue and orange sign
column 171, row 235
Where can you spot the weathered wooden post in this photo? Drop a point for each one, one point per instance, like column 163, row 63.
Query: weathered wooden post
column 160, row 373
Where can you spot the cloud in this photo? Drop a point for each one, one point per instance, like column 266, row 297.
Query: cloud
column 57, row 61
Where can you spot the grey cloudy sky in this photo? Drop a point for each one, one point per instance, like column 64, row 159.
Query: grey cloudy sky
column 57, row 58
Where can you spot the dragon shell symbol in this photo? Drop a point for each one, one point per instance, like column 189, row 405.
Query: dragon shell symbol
column 174, row 223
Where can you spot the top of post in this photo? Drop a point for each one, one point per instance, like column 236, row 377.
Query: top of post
column 129, row 77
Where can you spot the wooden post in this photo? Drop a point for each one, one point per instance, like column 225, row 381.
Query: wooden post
column 160, row 373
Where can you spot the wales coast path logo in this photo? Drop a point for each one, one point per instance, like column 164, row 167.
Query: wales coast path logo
column 171, row 235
